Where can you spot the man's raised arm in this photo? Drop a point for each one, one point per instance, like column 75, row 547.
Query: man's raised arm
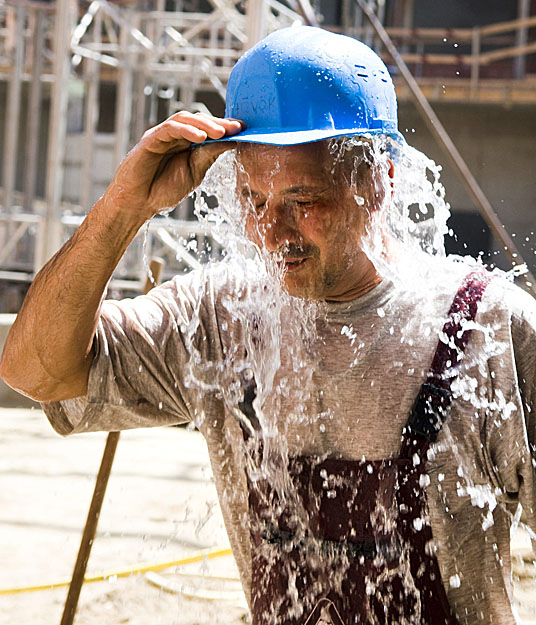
column 48, row 352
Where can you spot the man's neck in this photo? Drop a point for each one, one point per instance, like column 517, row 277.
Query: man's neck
column 365, row 284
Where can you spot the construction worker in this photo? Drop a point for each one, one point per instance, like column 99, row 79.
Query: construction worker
column 370, row 438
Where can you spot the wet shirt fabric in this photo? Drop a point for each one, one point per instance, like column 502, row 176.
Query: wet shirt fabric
column 352, row 544
column 335, row 381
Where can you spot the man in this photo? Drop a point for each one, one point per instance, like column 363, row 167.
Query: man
column 369, row 439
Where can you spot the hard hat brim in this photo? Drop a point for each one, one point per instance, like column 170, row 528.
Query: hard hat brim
column 297, row 137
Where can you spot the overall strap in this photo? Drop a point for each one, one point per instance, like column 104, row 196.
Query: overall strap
column 249, row 422
column 435, row 396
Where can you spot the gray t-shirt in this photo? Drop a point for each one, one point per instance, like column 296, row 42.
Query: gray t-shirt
column 335, row 379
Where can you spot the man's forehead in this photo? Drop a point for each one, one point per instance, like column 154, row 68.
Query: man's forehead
column 317, row 155
column 261, row 165
column 260, row 153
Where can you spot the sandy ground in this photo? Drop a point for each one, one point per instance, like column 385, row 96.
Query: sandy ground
column 160, row 506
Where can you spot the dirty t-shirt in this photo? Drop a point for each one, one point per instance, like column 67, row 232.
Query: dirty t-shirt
column 335, row 379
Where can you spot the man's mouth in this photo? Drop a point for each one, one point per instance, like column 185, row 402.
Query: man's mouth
column 293, row 264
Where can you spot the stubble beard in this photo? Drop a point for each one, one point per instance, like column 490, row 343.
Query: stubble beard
column 313, row 287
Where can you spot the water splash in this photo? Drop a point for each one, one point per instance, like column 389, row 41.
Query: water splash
column 407, row 223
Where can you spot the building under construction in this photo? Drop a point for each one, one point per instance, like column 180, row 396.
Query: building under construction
column 81, row 80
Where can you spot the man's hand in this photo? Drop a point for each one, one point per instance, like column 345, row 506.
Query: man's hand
column 166, row 165
column 49, row 351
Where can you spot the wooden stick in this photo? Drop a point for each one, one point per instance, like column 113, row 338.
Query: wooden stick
column 445, row 142
column 90, row 529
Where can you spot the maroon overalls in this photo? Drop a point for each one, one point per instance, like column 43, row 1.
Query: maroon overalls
column 353, row 545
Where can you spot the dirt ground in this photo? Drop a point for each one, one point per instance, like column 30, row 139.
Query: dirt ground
column 160, row 506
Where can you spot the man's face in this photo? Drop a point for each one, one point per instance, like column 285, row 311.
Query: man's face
column 301, row 207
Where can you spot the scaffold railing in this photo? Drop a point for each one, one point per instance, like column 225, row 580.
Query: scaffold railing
column 54, row 59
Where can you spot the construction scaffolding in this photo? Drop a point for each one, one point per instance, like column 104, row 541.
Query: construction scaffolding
column 81, row 80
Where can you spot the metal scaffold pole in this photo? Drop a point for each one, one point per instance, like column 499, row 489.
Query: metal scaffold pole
column 50, row 235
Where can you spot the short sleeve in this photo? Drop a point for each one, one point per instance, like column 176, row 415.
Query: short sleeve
column 143, row 348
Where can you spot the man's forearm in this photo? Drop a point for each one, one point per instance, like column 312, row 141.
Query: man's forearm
column 48, row 352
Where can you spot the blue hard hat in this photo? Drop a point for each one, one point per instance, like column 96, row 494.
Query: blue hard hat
column 303, row 84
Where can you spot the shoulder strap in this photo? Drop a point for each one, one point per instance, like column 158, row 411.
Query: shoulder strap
column 431, row 406
column 249, row 422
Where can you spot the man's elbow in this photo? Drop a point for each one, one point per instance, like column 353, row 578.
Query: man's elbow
column 12, row 375
column 19, row 377
column 35, row 383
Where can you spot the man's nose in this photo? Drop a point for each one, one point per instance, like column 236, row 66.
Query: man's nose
column 280, row 226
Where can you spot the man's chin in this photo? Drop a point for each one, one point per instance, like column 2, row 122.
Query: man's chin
column 301, row 288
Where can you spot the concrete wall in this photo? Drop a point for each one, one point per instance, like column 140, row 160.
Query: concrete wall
column 498, row 145
column 462, row 14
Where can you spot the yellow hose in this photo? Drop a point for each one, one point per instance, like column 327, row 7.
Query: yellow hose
column 208, row 554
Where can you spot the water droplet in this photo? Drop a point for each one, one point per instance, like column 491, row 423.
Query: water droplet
column 455, row 581
column 424, row 480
